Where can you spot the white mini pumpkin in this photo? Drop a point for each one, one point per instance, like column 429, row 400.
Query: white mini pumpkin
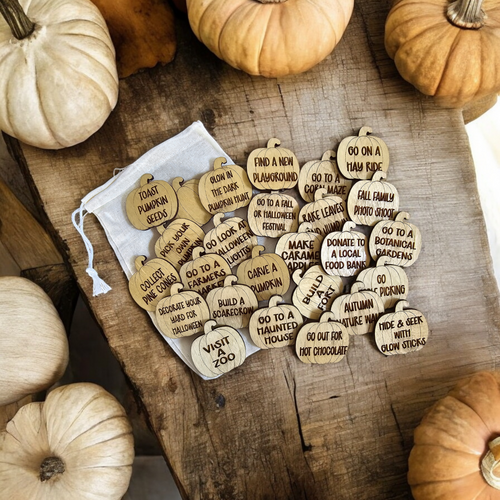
column 33, row 344
column 76, row 445
column 58, row 84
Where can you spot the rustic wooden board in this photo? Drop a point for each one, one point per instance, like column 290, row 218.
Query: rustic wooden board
column 274, row 427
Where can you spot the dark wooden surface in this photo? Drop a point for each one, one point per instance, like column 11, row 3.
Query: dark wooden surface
column 275, row 428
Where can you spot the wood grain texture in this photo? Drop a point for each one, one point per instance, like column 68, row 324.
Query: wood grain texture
column 274, row 427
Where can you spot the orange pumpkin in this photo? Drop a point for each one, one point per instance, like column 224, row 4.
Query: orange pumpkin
column 456, row 448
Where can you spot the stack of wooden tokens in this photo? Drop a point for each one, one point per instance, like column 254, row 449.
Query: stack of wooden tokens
column 350, row 233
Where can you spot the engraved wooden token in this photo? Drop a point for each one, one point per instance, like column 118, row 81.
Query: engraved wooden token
column 345, row 253
column 359, row 157
column 152, row 281
column 219, row 351
column 323, row 342
column 372, row 201
column 204, row 272
column 273, row 168
column 178, row 240
column 225, row 188
column 232, row 304
column 190, row 206
column 273, row 214
column 265, row 274
column 388, row 281
column 401, row 332
column 276, row 325
column 300, row 250
column 326, row 213
column 315, row 291
column 182, row 314
column 397, row 239
column 359, row 310
column 151, row 204
column 323, row 174
column 231, row 238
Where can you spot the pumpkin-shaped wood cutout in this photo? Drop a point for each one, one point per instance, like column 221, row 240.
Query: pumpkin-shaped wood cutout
column 219, row 351
column 233, row 304
column 182, row 314
column 266, row 274
column 326, row 341
column 232, row 239
column 359, row 310
column 359, row 157
column 315, row 291
column 276, row 325
column 204, row 272
column 387, row 281
column 323, row 174
column 397, row 239
column 225, row 188
column 151, row 204
column 190, row 206
column 273, row 168
column 273, row 214
column 300, row 250
column 178, row 240
column 345, row 253
column 152, row 281
column 326, row 213
column 401, row 332
column 372, row 201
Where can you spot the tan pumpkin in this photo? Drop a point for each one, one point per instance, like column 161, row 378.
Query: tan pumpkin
column 77, row 444
column 190, row 206
column 33, row 344
column 447, row 50
column 58, row 79
column 455, row 455
column 271, row 38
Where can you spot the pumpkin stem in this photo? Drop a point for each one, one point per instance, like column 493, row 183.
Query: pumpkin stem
column 19, row 23
column 466, row 14
column 51, row 467
column 489, row 463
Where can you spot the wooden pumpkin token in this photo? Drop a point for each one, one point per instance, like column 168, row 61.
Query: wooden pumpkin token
column 326, row 213
column 152, row 281
column 233, row 304
column 178, row 240
column 182, row 314
column 273, row 168
column 266, row 274
column 219, row 351
column 151, row 204
column 225, row 188
column 323, row 342
column 231, row 239
column 387, row 281
column 273, row 214
column 204, row 272
column 323, row 174
column 372, row 201
column 315, row 291
column 397, row 239
column 401, row 332
column 345, row 253
column 190, row 206
column 300, row 250
column 276, row 325
column 359, row 310
column 359, row 157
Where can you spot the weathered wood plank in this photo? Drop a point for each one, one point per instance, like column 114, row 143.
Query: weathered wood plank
column 275, row 428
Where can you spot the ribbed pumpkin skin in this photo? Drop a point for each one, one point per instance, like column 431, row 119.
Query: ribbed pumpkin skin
column 455, row 65
column 272, row 40
column 58, row 85
column 451, row 440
